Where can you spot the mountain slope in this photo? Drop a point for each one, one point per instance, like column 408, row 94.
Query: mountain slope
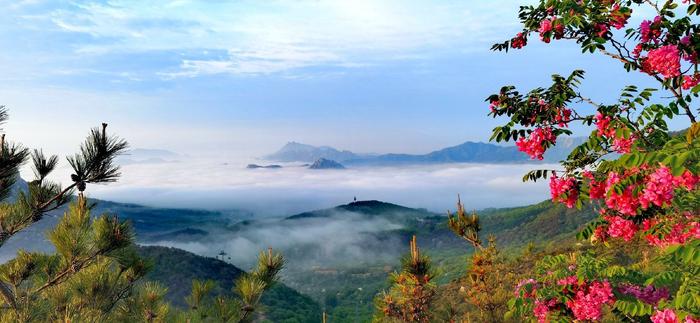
column 364, row 208
column 175, row 269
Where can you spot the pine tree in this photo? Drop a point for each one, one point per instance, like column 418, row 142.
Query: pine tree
column 249, row 288
column 95, row 265
column 95, row 273
column 487, row 279
column 410, row 296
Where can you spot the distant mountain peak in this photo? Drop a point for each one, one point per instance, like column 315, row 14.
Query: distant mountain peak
column 323, row 163
column 466, row 152
column 297, row 152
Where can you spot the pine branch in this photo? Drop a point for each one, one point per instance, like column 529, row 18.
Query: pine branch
column 94, row 164
column 466, row 227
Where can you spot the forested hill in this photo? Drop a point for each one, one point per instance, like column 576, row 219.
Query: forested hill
column 364, row 208
column 176, row 268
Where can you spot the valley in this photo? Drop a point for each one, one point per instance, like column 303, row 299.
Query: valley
column 339, row 258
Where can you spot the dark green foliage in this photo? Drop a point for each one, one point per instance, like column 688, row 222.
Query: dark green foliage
column 92, row 272
column 537, row 223
column 174, row 266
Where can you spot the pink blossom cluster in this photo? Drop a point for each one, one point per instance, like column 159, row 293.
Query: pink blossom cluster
column 541, row 309
column 494, row 105
column 588, row 302
column 658, row 189
column 569, row 280
column 665, row 60
column 623, row 145
column 601, row 30
column 690, row 81
column 603, row 123
column 660, row 186
column 621, row 228
column 519, row 41
column 534, row 145
column 625, row 203
column 649, row 294
column 549, row 26
column 605, row 129
column 545, row 27
column 564, row 190
column 669, row 316
column 596, row 189
column 563, row 116
column 688, row 180
column 665, row 316
column 680, row 233
column 649, row 30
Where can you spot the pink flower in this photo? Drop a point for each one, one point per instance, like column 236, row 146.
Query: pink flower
column 587, row 304
column 494, row 105
column 564, row 190
column 688, row 180
column 689, row 81
column 650, row 30
column 625, row 203
column 637, row 51
column 623, row 145
column 602, row 122
column 542, row 309
column 665, row 60
column 519, row 41
column 621, row 228
column 601, row 30
column 563, row 116
column 680, row 234
column 658, row 189
column 534, row 145
column 597, row 190
column 685, row 40
column 665, row 316
column 571, row 280
column 545, row 27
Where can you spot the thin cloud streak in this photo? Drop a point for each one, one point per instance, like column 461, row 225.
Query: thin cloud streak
column 268, row 37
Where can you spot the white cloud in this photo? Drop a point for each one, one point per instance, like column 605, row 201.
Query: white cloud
column 278, row 36
column 213, row 184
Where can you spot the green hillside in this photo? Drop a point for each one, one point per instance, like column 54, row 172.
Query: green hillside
column 347, row 291
column 176, row 269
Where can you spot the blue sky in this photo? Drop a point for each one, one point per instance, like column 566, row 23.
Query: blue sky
column 245, row 77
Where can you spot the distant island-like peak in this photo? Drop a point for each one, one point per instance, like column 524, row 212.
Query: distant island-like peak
column 255, row 166
column 323, row 163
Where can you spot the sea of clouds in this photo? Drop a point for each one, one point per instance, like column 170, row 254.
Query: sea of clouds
column 212, row 184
